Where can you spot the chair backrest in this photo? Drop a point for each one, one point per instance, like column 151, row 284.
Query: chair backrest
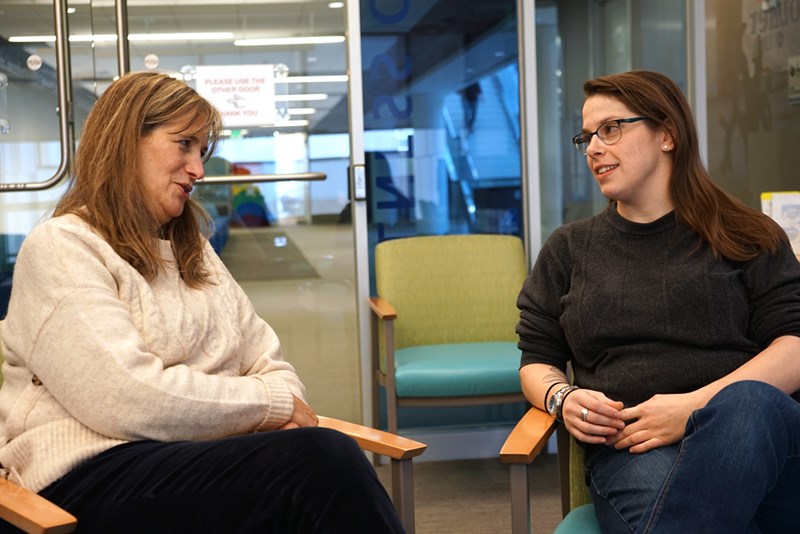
column 452, row 289
column 579, row 493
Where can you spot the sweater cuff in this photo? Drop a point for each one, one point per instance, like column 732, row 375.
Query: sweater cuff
column 279, row 403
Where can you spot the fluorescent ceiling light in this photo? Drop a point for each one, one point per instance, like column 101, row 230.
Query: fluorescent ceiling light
column 282, row 41
column 200, row 36
column 109, row 37
column 333, row 78
column 336, row 5
column 32, row 39
column 300, row 97
column 301, row 111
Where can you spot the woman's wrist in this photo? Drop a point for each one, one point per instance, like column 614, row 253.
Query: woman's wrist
column 555, row 402
column 547, row 393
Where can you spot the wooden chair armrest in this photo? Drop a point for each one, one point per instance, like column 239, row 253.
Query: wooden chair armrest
column 528, row 438
column 32, row 513
column 382, row 308
column 377, row 441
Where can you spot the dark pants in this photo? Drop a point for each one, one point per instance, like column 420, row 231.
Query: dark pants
column 303, row 480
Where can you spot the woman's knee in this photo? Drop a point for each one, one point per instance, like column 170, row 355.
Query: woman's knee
column 329, row 444
column 749, row 408
column 748, row 393
column 329, row 452
column 748, row 399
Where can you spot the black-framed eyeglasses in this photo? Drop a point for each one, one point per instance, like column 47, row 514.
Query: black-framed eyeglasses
column 609, row 133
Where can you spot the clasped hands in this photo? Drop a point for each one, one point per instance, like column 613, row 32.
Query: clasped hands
column 302, row 416
column 660, row 420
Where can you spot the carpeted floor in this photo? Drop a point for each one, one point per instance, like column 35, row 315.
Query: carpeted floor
column 264, row 254
column 472, row 496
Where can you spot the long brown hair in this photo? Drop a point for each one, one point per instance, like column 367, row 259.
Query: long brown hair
column 105, row 188
column 732, row 229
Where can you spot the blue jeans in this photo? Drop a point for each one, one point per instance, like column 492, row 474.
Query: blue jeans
column 303, row 480
column 736, row 470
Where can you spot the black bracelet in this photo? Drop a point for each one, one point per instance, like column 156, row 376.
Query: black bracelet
column 564, row 399
column 554, row 384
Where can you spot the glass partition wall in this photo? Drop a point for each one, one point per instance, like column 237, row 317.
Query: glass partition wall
column 753, row 65
column 277, row 71
column 442, row 143
column 579, row 40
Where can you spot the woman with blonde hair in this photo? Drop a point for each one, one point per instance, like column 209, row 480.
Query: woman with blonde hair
column 678, row 308
column 142, row 392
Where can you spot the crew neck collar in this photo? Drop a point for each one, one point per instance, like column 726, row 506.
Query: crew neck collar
column 620, row 223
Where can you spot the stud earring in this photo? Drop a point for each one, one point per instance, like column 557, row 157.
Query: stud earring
column 666, row 147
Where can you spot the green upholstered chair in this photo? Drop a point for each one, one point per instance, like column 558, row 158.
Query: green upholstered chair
column 444, row 321
column 34, row 514
column 523, row 445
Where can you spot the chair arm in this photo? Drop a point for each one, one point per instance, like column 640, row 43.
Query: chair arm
column 528, row 438
column 31, row 512
column 377, row 441
column 382, row 308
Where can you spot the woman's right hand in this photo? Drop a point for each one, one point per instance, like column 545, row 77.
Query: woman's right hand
column 603, row 416
column 302, row 416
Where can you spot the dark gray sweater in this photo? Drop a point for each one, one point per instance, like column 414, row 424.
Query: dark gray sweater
column 642, row 309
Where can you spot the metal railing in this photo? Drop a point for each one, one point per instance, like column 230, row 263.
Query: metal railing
column 65, row 111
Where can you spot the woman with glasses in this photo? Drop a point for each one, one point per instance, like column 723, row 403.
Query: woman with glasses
column 678, row 308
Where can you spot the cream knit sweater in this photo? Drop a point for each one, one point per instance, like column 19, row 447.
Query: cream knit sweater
column 96, row 356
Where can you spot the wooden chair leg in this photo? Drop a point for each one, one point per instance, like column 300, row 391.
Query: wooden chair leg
column 520, row 500
column 403, row 492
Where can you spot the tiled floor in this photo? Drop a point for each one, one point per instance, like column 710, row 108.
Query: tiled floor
column 473, row 496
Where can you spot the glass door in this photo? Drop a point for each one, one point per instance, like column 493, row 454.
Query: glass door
column 277, row 70
column 442, row 138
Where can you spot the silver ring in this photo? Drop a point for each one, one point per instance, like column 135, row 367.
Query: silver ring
column 584, row 414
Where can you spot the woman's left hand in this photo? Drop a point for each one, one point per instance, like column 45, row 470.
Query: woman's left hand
column 302, row 416
column 660, row 420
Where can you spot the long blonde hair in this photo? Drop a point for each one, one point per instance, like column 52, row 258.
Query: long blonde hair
column 732, row 229
column 106, row 190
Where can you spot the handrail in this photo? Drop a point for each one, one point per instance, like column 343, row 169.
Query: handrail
column 123, row 49
column 65, row 121
column 251, row 178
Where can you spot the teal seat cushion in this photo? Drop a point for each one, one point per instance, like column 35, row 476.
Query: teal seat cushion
column 581, row 520
column 458, row 369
